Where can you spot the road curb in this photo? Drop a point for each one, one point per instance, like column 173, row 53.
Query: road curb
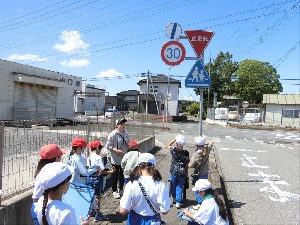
column 218, row 183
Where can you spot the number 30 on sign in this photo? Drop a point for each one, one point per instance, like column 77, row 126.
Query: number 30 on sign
column 172, row 53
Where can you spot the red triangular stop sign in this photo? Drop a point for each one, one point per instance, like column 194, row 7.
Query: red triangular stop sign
column 199, row 39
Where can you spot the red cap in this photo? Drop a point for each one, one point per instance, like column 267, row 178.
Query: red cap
column 80, row 142
column 133, row 144
column 94, row 144
column 51, row 151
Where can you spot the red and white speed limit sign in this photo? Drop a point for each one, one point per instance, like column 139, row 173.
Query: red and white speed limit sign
column 172, row 53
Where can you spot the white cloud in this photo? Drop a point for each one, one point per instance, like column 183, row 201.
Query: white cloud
column 189, row 98
column 73, row 42
column 27, row 57
column 76, row 63
column 110, row 73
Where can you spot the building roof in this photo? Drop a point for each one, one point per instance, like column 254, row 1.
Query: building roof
column 160, row 78
column 129, row 92
column 283, row 99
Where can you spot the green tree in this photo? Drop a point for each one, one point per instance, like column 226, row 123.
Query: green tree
column 194, row 108
column 255, row 78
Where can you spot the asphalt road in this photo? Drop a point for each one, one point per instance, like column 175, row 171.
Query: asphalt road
column 260, row 170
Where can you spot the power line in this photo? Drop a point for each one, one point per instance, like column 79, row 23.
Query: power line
column 12, row 28
column 74, row 17
column 32, row 12
column 116, row 21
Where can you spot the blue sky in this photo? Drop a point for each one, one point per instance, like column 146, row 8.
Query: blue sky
column 117, row 40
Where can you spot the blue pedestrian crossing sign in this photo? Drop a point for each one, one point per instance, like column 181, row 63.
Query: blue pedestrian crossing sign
column 197, row 77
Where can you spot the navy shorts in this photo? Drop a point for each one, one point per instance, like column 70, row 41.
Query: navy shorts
column 97, row 182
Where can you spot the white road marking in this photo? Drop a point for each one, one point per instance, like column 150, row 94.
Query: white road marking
column 250, row 163
column 229, row 138
column 262, row 174
column 216, row 140
column 241, row 149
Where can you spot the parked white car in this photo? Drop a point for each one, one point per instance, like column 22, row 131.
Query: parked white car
column 252, row 117
column 111, row 112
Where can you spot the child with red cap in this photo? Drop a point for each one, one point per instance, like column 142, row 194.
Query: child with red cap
column 129, row 160
column 49, row 153
column 77, row 162
column 96, row 161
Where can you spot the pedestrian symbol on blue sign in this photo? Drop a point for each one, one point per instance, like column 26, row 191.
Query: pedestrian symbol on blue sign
column 197, row 77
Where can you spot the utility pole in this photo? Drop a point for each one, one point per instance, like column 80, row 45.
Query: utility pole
column 147, row 94
column 208, row 99
column 168, row 91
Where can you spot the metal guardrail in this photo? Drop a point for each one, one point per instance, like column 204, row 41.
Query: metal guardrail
column 287, row 118
column 19, row 146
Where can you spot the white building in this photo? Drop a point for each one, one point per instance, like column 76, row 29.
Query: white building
column 31, row 93
column 282, row 109
column 158, row 86
column 90, row 100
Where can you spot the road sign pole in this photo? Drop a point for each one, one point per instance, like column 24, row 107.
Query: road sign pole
column 200, row 112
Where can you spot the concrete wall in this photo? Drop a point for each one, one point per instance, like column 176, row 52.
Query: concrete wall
column 16, row 210
column 147, row 144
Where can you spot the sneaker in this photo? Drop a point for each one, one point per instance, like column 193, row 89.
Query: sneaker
column 178, row 205
column 196, row 207
column 92, row 213
column 116, row 195
column 99, row 217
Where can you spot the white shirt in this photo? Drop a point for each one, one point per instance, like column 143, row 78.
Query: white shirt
column 156, row 191
column 38, row 190
column 95, row 160
column 208, row 213
column 57, row 212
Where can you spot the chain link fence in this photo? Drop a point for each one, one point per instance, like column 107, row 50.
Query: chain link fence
column 287, row 118
column 20, row 144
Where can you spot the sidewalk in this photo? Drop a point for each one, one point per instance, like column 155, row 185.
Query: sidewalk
column 110, row 206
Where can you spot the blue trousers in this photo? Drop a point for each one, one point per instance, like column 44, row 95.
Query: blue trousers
column 137, row 219
column 200, row 200
column 177, row 185
column 33, row 215
column 192, row 223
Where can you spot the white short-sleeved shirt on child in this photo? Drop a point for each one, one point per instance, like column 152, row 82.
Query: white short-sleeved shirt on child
column 209, row 213
column 156, row 191
column 95, row 160
column 57, row 212
column 37, row 190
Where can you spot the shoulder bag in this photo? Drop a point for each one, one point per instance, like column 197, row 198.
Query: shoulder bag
column 149, row 203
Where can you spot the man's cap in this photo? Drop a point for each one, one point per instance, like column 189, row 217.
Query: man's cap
column 53, row 174
column 199, row 141
column 121, row 120
column 147, row 158
column 180, row 140
column 51, row 151
column 133, row 144
column 95, row 144
column 202, row 185
column 80, row 142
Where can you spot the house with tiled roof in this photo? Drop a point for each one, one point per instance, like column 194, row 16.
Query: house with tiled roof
column 163, row 95
column 130, row 96
column 282, row 109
